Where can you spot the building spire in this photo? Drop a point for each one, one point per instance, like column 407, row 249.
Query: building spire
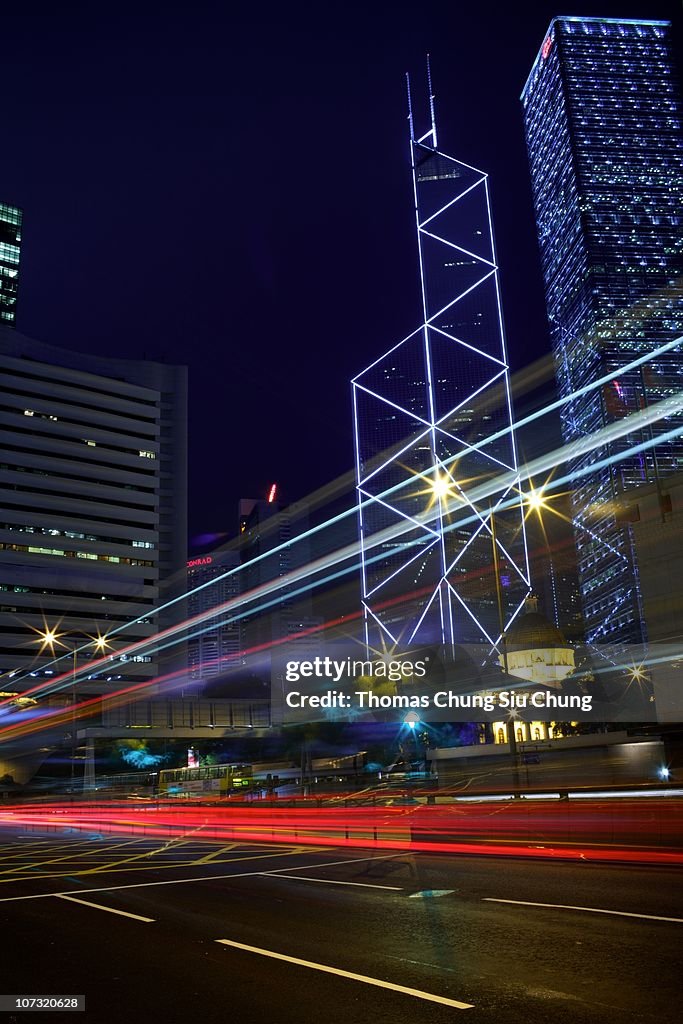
column 429, row 137
column 431, row 100
column 410, row 109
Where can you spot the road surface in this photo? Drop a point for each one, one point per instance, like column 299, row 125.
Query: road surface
column 189, row 930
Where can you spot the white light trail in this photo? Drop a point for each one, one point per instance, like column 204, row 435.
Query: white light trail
column 234, row 608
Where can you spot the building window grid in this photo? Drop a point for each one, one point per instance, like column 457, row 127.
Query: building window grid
column 644, row 235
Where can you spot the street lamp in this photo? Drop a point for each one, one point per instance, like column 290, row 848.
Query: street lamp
column 441, row 487
column 411, row 719
column 512, row 737
column 50, row 638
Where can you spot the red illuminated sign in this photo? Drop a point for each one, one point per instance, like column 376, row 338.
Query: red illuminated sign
column 547, row 46
column 207, row 560
column 271, row 494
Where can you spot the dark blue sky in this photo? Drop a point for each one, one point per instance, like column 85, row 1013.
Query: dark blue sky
column 228, row 186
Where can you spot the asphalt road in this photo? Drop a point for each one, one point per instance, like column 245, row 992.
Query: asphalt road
column 187, row 930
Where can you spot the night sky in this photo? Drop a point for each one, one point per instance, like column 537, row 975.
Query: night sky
column 228, row 186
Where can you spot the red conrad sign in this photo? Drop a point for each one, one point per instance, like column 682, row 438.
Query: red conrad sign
column 207, row 560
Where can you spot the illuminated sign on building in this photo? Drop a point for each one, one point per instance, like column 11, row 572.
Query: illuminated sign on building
column 206, row 560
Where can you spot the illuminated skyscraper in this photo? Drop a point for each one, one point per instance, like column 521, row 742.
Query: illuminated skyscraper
column 602, row 117
column 93, row 493
column 439, row 494
column 10, row 244
column 274, row 543
column 214, row 647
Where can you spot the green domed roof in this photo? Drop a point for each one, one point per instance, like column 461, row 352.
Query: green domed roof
column 533, row 630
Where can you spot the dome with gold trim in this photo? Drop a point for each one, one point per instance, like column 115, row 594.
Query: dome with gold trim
column 532, row 629
column 536, row 649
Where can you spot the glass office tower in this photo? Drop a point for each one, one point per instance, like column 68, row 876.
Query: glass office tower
column 602, row 117
column 10, row 244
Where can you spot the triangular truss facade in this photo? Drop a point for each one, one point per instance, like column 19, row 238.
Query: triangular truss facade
column 433, row 427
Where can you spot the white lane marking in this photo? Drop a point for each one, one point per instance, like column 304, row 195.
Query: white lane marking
column 428, row 893
column 590, row 910
column 397, row 855
column 418, row 993
column 98, row 906
column 200, row 878
column 328, row 881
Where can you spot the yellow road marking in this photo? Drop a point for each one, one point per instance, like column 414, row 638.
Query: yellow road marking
column 193, row 863
column 216, row 853
column 199, row 878
column 162, row 867
column 110, row 865
column 87, row 852
column 26, row 846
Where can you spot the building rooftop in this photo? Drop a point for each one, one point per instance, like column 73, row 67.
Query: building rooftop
column 533, row 630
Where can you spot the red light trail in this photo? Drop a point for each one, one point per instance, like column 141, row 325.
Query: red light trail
column 625, row 831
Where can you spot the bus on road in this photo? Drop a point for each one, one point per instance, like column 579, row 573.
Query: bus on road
column 209, row 780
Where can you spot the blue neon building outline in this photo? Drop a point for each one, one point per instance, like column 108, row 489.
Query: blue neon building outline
column 423, row 420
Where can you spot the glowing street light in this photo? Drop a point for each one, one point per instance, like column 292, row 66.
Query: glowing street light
column 412, row 720
column 101, row 643
column 535, row 500
column 441, row 485
column 50, row 638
